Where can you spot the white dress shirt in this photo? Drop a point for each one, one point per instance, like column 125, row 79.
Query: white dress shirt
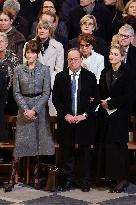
column 76, row 77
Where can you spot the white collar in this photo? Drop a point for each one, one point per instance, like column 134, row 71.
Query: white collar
column 77, row 73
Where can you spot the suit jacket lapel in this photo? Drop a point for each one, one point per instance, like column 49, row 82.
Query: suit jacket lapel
column 67, row 83
column 78, row 92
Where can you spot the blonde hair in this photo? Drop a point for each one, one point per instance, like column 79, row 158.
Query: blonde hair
column 87, row 17
column 125, row 10
column 114, row 40
column 46, row 25
column 119, row 47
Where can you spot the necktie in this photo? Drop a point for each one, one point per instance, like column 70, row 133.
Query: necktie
column 73, row 89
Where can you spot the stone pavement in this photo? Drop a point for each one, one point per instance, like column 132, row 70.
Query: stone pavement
column 25, row 195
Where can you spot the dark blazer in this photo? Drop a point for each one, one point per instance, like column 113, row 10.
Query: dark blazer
column 84, row 132
column 115, row 127
column 103, row 18
column 131, row 59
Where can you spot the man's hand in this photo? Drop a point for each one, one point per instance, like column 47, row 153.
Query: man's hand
column 79, row 118
column 70, row 119
column 104, row 104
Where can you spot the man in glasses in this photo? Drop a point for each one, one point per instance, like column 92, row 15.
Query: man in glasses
column 75, row 99
column 125, row 37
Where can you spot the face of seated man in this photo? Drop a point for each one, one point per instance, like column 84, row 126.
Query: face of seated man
column 125, row 38
column 110, row 2
column 85, row 3
column 74, row 61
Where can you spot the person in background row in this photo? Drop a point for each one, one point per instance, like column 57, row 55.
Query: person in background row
column 75, row 99
column 59, row 24
column 20, row 23
column 130, row 9
column 116, row 93
column 100, row 12
column 129, row 17
column 16, row 40
column 50, row 17
column 88, row 25
column 66, row 7
column 91, row 60
column 51, row 54
column 115, row 7
column 32, row 85
column 8, row 62
column 29, row 10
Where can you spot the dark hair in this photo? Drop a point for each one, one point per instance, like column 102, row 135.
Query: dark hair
column 55, row 6
column 9, row 14
column 75, row 49
column 49, row 13
column 88, row 38
column 131, row 20
column 33, row 46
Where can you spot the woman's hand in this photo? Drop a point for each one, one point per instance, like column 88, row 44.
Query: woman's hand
column 30, row 115
column 104, row 104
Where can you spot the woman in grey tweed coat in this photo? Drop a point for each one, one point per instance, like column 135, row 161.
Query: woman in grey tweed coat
column 31, row 91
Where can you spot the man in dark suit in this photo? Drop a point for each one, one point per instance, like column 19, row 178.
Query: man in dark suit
column 101, row 13
column 76, row 118
column 125, row 37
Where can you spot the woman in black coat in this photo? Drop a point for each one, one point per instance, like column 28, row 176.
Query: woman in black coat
column 116, row 90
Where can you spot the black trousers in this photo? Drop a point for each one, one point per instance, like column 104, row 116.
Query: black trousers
column 68, row 160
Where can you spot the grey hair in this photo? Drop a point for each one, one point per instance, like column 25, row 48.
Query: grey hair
column 4, row 35
column 12, row 3
column 127, row 28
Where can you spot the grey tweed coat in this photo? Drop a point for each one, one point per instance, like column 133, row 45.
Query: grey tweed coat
column 32, row 138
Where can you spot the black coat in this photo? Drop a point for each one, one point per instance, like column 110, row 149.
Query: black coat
column 131, row 59
column 115, row 127
column 84, row 132
column 103, row 18
column 21, row 24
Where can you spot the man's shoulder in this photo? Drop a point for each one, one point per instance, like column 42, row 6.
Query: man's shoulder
column 132, row 48
column 62, row 73
column 75, row 8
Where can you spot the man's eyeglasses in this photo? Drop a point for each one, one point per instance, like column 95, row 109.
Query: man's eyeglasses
column 73, row 59
column 48, row 7
column 84, row 45
column 123, row 36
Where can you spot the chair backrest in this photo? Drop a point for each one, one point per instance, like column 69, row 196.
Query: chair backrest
column 11, row 126
column 133, row 122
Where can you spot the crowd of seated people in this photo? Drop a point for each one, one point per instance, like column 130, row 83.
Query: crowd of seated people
column 102, row 32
